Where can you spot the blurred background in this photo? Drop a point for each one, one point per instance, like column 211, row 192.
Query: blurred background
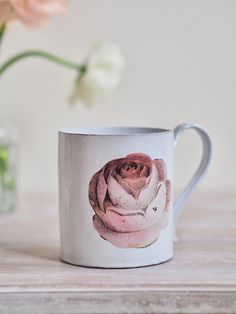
column 180, row 67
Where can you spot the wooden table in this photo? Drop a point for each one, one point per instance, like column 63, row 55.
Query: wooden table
column 200, row 279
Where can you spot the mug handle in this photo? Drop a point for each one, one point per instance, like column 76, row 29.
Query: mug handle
column 201, row 170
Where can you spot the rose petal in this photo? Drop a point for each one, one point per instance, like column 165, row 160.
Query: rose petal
column 93, row 198
column 126, row 220
column 127, row 187
column 116, row 167
column 148, row 193
column 130, row 180
column 153, row 214
column 161, row 168
column 140, row 157
column 119, row 196
column 101, row 189
column 110, row 167
column 157, row 207
column 101, row 215
column 135, row 184
column 123, row 220
column 134, row 169
column 138, row 239
column 129, row 173
column 93, row 187
column 144, row 172
column 168, row 196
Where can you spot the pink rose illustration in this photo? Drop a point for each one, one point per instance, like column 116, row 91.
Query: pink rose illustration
column 131, row 198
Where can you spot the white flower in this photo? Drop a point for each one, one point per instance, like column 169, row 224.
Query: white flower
column 107, row 57
column 101, row 76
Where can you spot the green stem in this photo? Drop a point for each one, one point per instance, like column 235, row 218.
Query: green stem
column 2, row 31
column 40, row 54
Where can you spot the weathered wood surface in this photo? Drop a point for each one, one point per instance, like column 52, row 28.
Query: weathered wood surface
column 200, row 279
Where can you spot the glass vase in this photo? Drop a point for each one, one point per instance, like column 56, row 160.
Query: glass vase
column 9, row 155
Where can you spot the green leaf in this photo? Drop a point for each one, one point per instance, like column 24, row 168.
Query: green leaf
column 8, row 182
column 6, row 179
column 4, row 160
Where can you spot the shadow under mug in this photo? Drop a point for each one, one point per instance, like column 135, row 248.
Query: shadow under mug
column 116, row 194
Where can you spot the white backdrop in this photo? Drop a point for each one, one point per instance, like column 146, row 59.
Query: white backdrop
column 181, row 66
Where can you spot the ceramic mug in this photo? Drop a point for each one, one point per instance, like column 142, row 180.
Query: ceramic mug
column 116, row 194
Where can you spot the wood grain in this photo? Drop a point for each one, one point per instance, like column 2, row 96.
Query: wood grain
column 200, row 279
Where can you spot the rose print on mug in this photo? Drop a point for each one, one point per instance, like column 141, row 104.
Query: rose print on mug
column 131, row 198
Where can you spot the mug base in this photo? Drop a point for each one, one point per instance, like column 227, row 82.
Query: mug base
column 115, row 267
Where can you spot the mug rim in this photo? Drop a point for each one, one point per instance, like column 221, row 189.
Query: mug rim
column 113, row 131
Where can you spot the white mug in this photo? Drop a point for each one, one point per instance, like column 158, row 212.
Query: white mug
column 116, row 194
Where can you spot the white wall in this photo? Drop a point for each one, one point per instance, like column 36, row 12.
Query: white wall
column 181, row 66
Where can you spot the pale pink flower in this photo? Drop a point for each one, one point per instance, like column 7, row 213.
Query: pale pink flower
column 31, row 12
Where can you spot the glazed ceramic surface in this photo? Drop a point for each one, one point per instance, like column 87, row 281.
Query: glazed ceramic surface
column 116, row 194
